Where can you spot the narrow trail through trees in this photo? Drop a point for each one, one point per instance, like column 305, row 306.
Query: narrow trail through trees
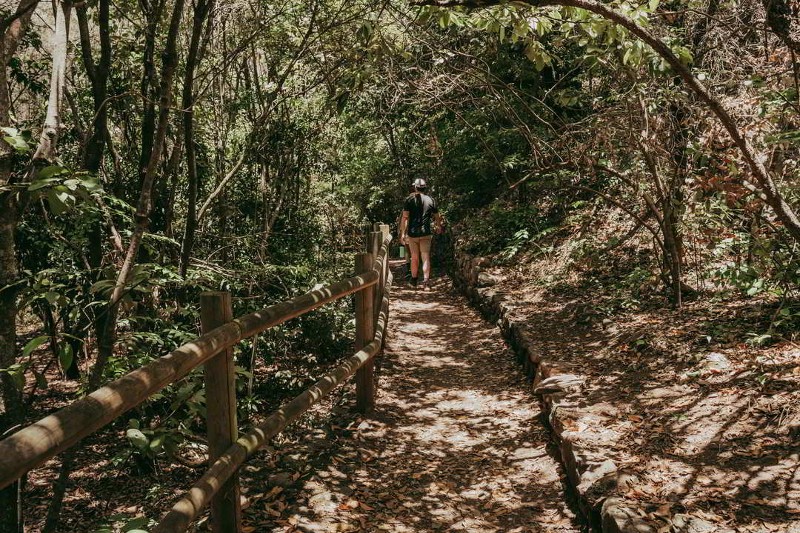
column 454, row 444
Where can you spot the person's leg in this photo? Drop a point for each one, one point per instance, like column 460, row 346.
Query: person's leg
column 425, row 252
column 413, row 243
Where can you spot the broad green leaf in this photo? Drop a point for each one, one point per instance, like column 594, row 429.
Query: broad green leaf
column 157, row 443
column 19, row 378
column 51, row 297
column 137, row 438
column 33, row 344
column 65, row 356
column 54, row 200
column 41, row 183
column 685, row 55
column 16, row 139
column 531, row 52
column 91, row 184
column 102, row 286
column 49, row 172
column 135, row 525
column 444, row 19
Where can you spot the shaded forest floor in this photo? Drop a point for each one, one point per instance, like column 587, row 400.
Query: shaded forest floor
column 704, row 428
column 456, row 443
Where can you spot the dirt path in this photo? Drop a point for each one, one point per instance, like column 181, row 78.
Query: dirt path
column 455, row 443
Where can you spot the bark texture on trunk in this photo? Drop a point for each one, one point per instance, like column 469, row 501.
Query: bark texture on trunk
column 48, row 141
column 98, row 77
column 12, row 30
column 201, row 11
column 145, row 203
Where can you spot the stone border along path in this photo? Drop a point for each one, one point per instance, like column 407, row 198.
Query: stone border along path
column 456, row 442
column 595, row 426
column 577, row 428
column 592, row 477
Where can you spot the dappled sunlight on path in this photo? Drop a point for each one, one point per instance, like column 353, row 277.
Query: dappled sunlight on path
column 454, row 444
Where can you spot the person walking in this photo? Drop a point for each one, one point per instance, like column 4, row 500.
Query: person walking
column 419, row 220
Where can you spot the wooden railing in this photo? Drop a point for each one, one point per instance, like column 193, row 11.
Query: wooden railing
column 38, row 442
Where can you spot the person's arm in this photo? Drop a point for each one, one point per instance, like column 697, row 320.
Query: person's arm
column 403, row 227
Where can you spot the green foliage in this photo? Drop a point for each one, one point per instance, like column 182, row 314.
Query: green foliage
column 21, row 141
column 515, row 244
column 149, row 444
column 126, row 524
column 334, row 108
column 507, row 229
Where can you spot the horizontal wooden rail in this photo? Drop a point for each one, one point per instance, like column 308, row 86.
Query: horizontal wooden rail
column 191, row 505
column 38, row 442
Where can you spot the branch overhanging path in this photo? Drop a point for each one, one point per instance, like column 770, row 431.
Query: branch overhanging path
column 455, row 442
column 753, row 158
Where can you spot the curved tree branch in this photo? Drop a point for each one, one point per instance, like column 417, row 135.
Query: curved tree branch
column 774, row 199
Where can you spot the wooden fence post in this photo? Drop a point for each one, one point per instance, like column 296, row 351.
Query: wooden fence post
column 365, row 331
column 220, row 383
column 385, row 233
column 375, row 239
column 385, row 230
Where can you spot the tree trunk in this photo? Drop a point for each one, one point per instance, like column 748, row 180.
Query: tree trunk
column 48, row 141
column 147, row 88
column 98, row 77
column 13, row 407
column 673, row 249
column 11, row 32
column 779, row 19
column 173, row 171
column 94, row 150
column 144, row 206
column 201, row 11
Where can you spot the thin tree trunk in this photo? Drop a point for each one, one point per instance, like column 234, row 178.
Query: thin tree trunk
column 672, row 257
column 144, row 206
column 147, row 88
column 12, row 31
column 98, row 77
column 11, row 518
column 218, row 190
column 48, row 141
column 95, row 147
column 201, row 11
column 173, row 171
